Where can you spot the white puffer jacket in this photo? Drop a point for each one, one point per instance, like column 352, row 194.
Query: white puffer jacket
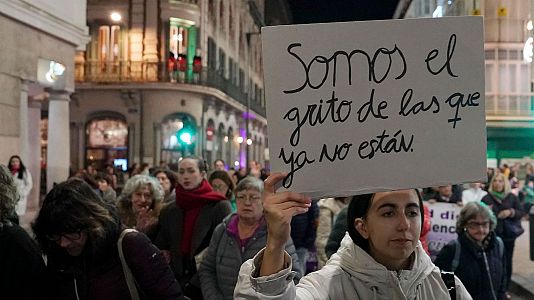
column 351, row 273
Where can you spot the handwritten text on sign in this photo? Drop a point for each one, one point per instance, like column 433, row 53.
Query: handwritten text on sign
column 366, row 106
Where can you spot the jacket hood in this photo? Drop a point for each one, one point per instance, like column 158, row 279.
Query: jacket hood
column 363, row 267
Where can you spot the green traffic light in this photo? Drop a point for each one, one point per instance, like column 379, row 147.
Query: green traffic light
column 186, row 137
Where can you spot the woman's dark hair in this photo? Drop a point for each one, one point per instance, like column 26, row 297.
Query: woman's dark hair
column 223, row 175
column 201, row 163
column 22, row 168
column 358, row 208
column 73, row 206
column 173, row 178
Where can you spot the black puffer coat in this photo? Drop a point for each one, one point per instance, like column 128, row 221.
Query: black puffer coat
column 472, row 266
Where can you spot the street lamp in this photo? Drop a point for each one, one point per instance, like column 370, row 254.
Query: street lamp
column 115, row 16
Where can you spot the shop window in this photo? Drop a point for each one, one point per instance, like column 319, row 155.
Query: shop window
column 107, row 142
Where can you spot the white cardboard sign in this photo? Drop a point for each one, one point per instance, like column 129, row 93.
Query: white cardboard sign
column 360, row 107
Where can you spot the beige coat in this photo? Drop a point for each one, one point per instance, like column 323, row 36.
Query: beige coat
column 329, row 208
column 351, row 273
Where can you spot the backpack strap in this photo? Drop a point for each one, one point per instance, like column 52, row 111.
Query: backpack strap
column 456, row 259
column 448, row 279
column 500, row 245
column 130, row 279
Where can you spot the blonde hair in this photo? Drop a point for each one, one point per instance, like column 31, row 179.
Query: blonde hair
column 507, row 187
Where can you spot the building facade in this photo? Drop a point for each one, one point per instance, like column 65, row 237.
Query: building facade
column 509, row 83
column 163, row 79
column 39, row 42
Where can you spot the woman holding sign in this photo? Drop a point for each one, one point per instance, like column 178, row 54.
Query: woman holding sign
column 380, row 258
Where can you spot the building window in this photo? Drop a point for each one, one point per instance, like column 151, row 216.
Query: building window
column 222, row 62
column 109, row 48
column 212, row 54
column 222, row 19
column 212, row 12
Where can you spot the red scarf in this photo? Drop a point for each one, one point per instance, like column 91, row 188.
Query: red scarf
column 14, row 170
column 192, row 202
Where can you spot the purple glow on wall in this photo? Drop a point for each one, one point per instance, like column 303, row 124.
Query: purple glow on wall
column 250, row 115
column 242, row 150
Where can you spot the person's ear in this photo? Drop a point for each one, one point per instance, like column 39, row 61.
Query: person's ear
column 360, row 226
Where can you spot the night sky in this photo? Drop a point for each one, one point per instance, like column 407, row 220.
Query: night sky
column 322, row 11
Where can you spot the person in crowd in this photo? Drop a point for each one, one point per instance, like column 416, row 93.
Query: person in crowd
column 529, row 176
column 168, row 180
column 223, row 184
column 474, row 193
column 329, row 208
column 79, row 234
column 340, row 227
column 219, row 165
column 505, row 170
column 91, row 170
column 304, row 233
column 254, row 169
column 509, row 212
column 23, row 180
column 104, row 185
column 186, row 225
column 446, row 194
column 144, row 169
column 238, row 238
column 110, row 171
column 528, row 196
column 140, row 203
column 480, row 263
column 380, row 258
column 22, row 268
column 134, row 169
column 337, row 233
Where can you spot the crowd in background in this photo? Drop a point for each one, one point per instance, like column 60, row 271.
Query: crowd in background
column 196, row 225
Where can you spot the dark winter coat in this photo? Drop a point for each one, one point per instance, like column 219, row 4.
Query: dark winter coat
column 471, row 267
column 337, row 233
column 22, row 269
column 304, row 228
column 169, row 238
column 497, row 205
column 89, row 277
column 220, row 268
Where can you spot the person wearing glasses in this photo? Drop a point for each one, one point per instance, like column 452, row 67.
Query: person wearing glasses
column 79, row 234
column 239, row 237
column 187, row 224
column 22, row 269
column 476, row 257
column 380, row 257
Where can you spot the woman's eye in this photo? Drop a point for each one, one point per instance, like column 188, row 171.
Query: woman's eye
column 413, row 213
column 387, row 214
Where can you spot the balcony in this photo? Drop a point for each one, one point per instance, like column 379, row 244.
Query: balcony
column 510, row 105
column 131, row 72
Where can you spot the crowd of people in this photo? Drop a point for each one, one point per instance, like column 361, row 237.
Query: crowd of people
column 190, row 231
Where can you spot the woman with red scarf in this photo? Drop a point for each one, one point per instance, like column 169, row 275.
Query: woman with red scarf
column 186, row 225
